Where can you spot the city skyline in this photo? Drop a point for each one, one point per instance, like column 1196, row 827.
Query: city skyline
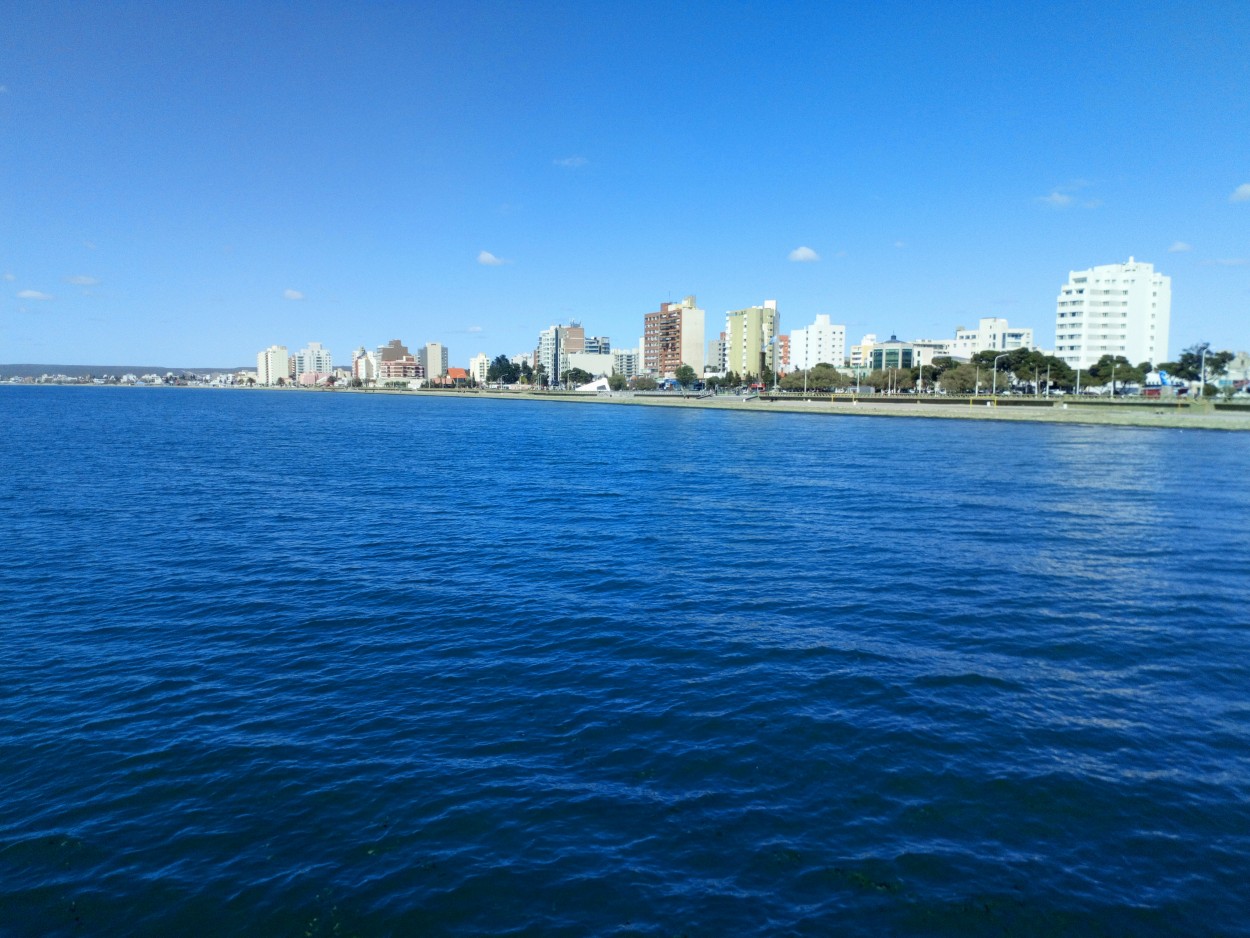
column 190, row 184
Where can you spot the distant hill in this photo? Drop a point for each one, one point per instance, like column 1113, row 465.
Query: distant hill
column 77, row 371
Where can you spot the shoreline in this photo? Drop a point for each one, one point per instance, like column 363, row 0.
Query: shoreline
column 1160, row 416
column 1128, row 415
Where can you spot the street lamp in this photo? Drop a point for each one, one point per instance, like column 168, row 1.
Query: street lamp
column 994, row 390
column 1114, row 366
column 1202, row 388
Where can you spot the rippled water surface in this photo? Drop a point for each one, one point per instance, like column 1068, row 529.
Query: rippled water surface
column 329, row 664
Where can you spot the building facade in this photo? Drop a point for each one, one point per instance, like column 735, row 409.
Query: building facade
column 313, row 360
column 434, row 360
column 1114, row 309
column 364, row 366
column 272, row 364
column 625, row 362
column 991, row 335
column 672, row 336
column 555, row 343
column 892, row 353
column 822, row 342
column 750, row 334
column 479, row 365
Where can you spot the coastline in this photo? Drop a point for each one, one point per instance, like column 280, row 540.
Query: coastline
column 1137, row 414
column 1127, row 415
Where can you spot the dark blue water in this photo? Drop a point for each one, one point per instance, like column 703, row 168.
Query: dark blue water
column 330, row 664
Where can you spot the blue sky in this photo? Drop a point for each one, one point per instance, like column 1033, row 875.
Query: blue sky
column 186, row 184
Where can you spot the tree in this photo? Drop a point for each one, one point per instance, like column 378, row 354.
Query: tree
column 1114, row 367
column 731, row 380
column 576, row 376
column 1189, row 365
column 503, row 369
column 685, row 376
column 959, row 379
column 643, row 383
column 617, row 382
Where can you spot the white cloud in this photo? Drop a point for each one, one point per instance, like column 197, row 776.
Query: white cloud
column 572, row 162
column 804, row 255
column 1180, row 247
column 82, row 281
column 474, row 329
column 9, row 276
column 1233, row 261
column 1241, row 193
column 1056, row 199
column 488, row 259
column 292, row 295
column 89, row 245
column 33, row 295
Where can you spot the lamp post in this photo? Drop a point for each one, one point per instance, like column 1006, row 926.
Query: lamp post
column 1114, row 366
column 1202, row 388
column 976, row 388
column 994, row 390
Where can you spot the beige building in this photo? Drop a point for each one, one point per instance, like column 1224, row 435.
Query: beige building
column 750, row 334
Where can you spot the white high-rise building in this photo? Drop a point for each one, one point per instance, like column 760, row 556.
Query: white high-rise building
column 625, row 362
column 273, row 364
column 991, row 334
column 1114, row 309
column 821, row 342
column 313, row 360
column 479, row 365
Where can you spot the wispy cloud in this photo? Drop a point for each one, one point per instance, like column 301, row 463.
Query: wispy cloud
column 487, row 259
column 81, row 280
column 474, row 329
column 572, row 162
column 1231, row 261
column 1056, row 199
column 1241, row 193
column 10, row 276
column 804, row 255
column 1065, row 196
column 1180, row 247
column 900, row 244
column 292, row 294
column 33, row 295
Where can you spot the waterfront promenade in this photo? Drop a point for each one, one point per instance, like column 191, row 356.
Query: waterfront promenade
column 1136, row 414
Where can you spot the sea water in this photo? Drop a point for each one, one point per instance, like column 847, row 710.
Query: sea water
column 283, row 663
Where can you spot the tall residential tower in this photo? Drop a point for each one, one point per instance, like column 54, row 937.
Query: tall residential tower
column 673, row 336
column 1115, row 309
column 750, row 339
